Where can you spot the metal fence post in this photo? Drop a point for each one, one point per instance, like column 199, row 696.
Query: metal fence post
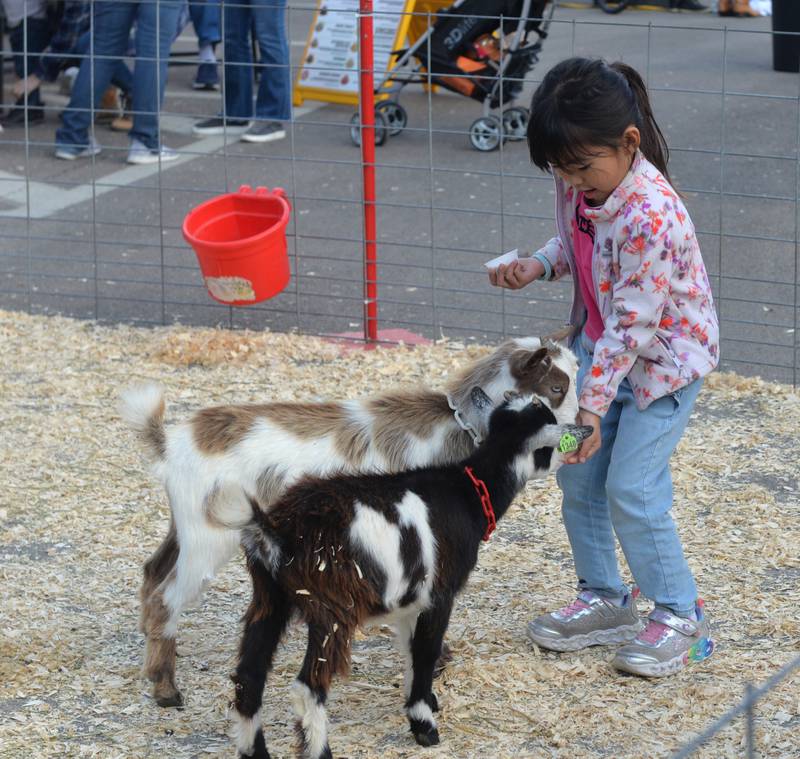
column 367, row 111
column 751, row 736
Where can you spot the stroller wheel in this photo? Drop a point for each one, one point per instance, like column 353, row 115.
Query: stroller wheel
column 381, row 128
column 395, row 114
column 515, row 123
column 486, row 134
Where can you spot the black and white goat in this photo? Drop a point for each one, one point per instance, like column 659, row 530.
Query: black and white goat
column 209, row 461
column 392, row 549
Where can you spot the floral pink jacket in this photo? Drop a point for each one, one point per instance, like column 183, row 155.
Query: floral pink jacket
column 661, row 330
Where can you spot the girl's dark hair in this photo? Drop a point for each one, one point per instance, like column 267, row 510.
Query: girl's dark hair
column 586, row 102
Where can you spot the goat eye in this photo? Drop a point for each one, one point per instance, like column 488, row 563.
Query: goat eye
column 557, row 389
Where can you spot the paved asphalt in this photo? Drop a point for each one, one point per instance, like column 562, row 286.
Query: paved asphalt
column 99, row 239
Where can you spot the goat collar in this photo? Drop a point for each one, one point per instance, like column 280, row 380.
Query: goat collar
column 486, row 502
column 463, row 423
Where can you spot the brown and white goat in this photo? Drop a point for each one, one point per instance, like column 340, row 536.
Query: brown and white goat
column 208, row 462
column 392, row 548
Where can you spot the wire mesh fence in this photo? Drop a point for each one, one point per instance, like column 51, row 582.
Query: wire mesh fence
column 95, row 238
column 745, row 707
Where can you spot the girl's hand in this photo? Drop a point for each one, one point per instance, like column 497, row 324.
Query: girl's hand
column 591, row 444
column 517, row 274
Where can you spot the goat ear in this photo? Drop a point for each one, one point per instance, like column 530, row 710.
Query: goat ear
column 539, row 358
column 480, row 400
column 510, row 395
column 563, row 335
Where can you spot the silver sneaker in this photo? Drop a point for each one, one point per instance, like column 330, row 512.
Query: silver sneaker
column 667, row 645
column 588, row 621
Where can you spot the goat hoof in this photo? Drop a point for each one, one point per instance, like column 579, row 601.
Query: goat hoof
column 429, row 738
column 169, row 698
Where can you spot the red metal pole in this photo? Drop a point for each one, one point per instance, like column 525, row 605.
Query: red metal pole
column 367, row 115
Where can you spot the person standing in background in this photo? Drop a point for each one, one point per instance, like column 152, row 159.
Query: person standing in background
column 266, row 20
column 206, row 18
column 112, row 23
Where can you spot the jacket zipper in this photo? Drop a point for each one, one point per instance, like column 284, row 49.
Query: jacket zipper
column 573, row 317
column 665, row 344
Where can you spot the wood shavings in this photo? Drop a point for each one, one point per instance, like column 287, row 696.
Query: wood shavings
column 79, row 514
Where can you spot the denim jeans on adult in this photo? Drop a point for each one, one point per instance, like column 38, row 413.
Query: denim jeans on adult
column 626, row 489
column 155, row 30
column 268, row 21
column 206, row 16
column 121, row 75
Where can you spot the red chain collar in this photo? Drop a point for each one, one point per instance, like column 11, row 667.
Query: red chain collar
column 486, row 502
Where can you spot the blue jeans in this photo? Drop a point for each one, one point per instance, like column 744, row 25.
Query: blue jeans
column 626, row 488
column 206, row 15
column 274, row 98
column 113, row 19
column 121, row 76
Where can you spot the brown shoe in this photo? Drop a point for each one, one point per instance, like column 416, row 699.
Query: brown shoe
column 122, row 123
column 109, row 107
column 742, row 8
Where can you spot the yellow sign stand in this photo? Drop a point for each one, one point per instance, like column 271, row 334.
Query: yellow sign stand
column 329, row 70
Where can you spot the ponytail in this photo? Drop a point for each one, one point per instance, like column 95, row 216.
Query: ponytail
column 653, row 145
column 586, row 102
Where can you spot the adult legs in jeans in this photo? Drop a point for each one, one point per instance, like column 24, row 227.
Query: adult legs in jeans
column 274, row 96
column 273, row 102
column 626, row 489
column 121, row 77
column 206, row 18
column 155, row 30
column 112, row 24
column 205, row 15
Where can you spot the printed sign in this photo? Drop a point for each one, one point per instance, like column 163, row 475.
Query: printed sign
column 329, row 70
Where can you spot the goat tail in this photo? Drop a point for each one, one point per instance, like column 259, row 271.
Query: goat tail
column 259, row 539
column 142, row 407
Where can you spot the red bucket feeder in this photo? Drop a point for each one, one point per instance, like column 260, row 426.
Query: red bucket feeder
column 240, row 242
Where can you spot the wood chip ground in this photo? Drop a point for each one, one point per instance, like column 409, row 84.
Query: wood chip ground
column 79, row 514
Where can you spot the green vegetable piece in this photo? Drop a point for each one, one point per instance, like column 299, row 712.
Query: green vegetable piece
column 568, row 443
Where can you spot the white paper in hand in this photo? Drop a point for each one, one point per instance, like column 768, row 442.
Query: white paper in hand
column 506, row 258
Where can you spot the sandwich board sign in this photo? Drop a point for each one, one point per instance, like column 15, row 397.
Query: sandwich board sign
column 329, row 69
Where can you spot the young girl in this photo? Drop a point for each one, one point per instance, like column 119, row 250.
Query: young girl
column 645, row 334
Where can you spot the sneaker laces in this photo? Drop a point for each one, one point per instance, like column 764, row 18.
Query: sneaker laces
column 573, row 608
column 578, row 605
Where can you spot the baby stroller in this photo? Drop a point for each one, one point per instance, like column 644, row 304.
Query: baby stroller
column 469, row 51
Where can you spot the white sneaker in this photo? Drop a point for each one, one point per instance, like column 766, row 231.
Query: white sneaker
column 73, row 152
column 67, row 79
column 140, row 154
